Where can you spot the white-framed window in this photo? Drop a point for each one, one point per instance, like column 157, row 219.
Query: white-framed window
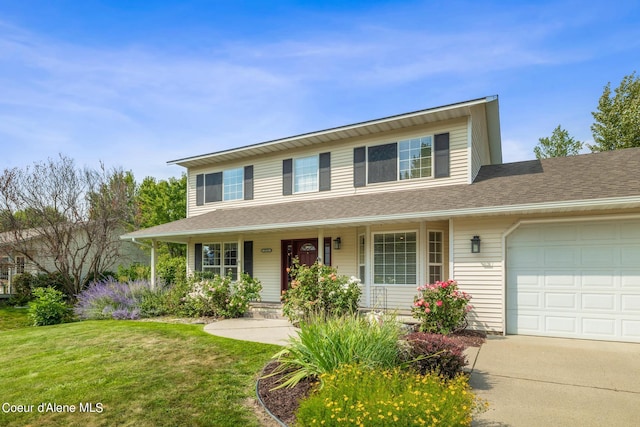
column 305, row 174
column 414, row 157
column 20, row 263
column 435, row 256
column 362, row 269
column 395, row 258
column 233, row 184
column 4, row 268
column 220, row 259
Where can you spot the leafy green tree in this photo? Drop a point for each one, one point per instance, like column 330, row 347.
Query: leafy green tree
column 617, row 121
column 560, row 144
column 159, row 202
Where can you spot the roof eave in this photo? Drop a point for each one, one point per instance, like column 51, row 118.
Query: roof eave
column 529, row 208
column 333, row 133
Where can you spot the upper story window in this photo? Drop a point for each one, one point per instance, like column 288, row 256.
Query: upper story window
column 422, row 157
column 305, row 174
column 231, row 184
column 415, row 158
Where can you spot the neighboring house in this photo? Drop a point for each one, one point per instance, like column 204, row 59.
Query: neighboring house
column 13, row 262
column 401, row 201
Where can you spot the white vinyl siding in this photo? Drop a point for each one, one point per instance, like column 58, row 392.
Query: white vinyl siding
column 479, row 142
column 481, row 275
column 267, row 178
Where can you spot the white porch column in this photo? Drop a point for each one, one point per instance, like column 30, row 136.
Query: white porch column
column 321, row 245
column 154, row 247
column 368, row 265
column 240, row 266
column 423, row 254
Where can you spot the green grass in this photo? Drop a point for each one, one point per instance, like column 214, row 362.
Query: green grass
column 13, row 318
column 141, row 374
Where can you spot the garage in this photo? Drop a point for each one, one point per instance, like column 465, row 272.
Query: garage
column 578, row 279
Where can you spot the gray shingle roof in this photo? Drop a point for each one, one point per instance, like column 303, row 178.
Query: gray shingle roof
column 585, row 181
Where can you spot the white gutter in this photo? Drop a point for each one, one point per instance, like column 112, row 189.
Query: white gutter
column 492, row 210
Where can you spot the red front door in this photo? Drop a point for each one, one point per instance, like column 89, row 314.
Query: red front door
column 306, row 250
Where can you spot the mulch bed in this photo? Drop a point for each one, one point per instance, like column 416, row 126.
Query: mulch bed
column 284, row 402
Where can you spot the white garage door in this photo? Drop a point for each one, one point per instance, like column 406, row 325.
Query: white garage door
column 575, row 280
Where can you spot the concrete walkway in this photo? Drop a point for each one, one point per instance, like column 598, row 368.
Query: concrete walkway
column 266, row 331
column 528, row 381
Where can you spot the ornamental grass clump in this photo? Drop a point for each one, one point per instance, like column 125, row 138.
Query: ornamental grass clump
column 360, row 396
column 319, row 290
column 325, row 344
column 441, row 308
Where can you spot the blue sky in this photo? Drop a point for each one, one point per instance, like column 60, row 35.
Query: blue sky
column 138, row 83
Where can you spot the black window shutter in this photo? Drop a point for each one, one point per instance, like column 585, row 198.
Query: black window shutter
column 360, row 166
column 198, row 256
column 287, row 177
column 441, row 149
column 325, row 172
column 213, row 187
column 248, row 182
column 383, row 163
column 248, row 258
column 200, row 189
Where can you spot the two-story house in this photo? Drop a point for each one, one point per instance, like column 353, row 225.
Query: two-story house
column 548, row 247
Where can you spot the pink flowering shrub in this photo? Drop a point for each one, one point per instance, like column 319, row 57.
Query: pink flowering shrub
column 441, row 308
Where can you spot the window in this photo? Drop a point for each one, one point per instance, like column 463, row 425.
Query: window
column 394, row 258
column 421, row 157
column 361, row 258
column 233, row 182
column 4, row 268
column 383, row 163
column 211, row 259
column 231, row 260
column 220, row 259
column 415, row 158
column 20, row 264
column 305, row 174
column 435, row 256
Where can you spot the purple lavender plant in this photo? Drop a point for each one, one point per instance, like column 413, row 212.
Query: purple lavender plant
column 110, row 299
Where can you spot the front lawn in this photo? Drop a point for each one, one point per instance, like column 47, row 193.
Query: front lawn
column 13, row 318
column 128, row 373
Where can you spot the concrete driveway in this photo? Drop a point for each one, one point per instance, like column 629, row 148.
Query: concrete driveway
column 534, row 381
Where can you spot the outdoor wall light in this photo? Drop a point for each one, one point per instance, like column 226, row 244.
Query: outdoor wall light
column 475, row 245
column 337, row 243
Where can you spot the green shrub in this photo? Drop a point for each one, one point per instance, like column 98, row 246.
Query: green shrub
column 357, row 395
column 22, row 285
column 319, row 291
column 435, row 353
column 48, row 307
column 441, row 307
column 220, row 297
column 133, row 272
column 170, row 270
column 325, row 344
